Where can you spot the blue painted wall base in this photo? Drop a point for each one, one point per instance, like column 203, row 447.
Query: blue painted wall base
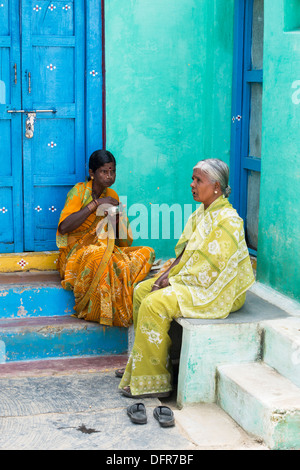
column 35, row 301
column 36, row 324
column 2, row 352
column 37, row 339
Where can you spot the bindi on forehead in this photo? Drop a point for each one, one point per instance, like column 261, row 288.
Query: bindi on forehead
column 107, row 166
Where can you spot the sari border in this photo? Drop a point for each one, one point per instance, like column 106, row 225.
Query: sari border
column 106, row 257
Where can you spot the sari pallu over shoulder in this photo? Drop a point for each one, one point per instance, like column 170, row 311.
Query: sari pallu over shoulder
column 78, row 198
column 215, row 269
column 100, row 269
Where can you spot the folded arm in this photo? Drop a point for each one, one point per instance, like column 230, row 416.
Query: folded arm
column 73, row 221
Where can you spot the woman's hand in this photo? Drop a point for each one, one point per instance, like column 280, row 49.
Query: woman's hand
column 163, row 280
column 160, row 283
column 114, row 218
column 108, row 201
column 73, row 221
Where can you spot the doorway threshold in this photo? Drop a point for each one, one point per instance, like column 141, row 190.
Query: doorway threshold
column 28, row 261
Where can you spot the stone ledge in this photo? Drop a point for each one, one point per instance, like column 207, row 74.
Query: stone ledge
column 254, row 310
column 206, row 344
column 263, row 402
column 21, row 262
column 43, row 338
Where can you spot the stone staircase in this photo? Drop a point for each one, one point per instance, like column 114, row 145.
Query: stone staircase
column 249, row 364
column 36, row 322
column 262, row 402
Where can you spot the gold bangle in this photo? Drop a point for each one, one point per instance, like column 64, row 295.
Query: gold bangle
column 93, row 203
column 156, row 285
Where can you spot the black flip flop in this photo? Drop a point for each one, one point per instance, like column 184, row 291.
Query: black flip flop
column 119, row 373
column 164, row 416
column 137, row 413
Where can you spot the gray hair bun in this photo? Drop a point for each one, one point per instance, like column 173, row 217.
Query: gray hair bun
column 227, row 191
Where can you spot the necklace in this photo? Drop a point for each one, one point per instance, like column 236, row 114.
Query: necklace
column 95, row 195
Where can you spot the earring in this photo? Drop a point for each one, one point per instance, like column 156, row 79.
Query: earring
column 92, row 177
column 216, row 192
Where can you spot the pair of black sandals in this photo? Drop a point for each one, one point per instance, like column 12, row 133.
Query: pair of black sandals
column 138, row 415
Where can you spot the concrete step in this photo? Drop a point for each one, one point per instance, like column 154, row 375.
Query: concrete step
column 57, row 337
column 210, row 428
column 207, row 343
column 28, row 261
column 281, row 349
column 34, row 294
column 262, row 402
column 65, row 366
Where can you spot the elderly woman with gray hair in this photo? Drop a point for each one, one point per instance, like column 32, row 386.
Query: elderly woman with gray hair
column 208, row 279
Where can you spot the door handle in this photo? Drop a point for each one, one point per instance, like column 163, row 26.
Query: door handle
column 29, row 82
column 31, row 117
column 16, row 77
column 30, row 125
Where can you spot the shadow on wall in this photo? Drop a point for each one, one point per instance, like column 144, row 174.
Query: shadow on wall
column 291, row 15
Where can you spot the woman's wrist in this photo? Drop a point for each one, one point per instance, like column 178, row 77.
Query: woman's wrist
column 162, row 277
column 92, row 206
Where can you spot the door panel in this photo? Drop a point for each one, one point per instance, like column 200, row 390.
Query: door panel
column 56, row 18
column 11, row 203
column 59, row 69
column 58, row 138
column 53, row 77
column 246, row 137
column 46, row 212
column 54, row 159
column 6, row 216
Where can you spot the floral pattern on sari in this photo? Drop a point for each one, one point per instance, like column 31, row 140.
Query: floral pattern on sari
column 102, row 271
column 215, row 268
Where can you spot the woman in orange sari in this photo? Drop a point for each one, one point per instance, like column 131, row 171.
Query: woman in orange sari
column 96, row 259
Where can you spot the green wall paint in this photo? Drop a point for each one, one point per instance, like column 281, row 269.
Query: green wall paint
column 291, row 15
column 168, row 97
column 278, row 262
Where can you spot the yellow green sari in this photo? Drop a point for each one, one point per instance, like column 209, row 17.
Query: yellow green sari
column 210, row 281
column 215, row 268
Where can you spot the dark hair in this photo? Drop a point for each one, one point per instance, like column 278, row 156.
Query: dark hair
column 99, row 158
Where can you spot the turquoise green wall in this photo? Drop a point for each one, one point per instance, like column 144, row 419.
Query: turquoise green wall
column 278, row 263
column 168, row 105
column 168, row 96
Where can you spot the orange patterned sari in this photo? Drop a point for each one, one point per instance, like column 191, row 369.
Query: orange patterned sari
column 102, row 272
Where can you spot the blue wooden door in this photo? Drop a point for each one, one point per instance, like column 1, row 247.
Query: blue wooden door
column 11, row 191
column 54, row 73
column 53, row 79
column 247, row 114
